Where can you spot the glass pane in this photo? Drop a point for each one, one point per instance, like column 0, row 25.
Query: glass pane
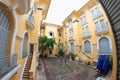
column 98, row 12
column 97, row 27
column 103, row 25
column 87, row 47
column 93, row 14
column 104, row 46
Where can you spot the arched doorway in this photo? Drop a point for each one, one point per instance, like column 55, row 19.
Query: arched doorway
column 72, row 47
column 6, row 34
column 104, row 46
column 25, row 45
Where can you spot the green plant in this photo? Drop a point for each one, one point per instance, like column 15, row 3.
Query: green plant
column 60, row 52
column 46, row 43
column 73, row 56
column 68, row 56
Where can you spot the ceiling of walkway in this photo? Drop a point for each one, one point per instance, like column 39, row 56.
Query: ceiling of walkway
column 60, row 9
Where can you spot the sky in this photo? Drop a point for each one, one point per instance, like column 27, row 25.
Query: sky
column 60, row 9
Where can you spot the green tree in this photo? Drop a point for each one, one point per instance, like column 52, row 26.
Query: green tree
column 46, row 43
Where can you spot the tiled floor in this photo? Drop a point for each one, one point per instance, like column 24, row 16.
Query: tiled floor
column 72, row 70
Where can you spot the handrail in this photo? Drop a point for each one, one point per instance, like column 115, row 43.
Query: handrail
column 87, row 55
column 7, row 63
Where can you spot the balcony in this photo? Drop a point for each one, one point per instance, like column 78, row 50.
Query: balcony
column 86, row 35
column 30, row 22
column 102, row 31
column 84, row 23
column 71, row 28
column 23, row 6
column 71, row 38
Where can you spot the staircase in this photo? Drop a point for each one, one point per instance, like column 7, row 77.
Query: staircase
column 26, row 74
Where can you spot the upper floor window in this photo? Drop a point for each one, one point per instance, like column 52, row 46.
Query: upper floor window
column 93, row 14
column 85, row 31
column 103, row 26
column 83, row 20
column 97, row 27
column 96, row 13
column 100, row 26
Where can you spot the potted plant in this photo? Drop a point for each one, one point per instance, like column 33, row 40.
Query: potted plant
column 68, row 56
column 73, row 56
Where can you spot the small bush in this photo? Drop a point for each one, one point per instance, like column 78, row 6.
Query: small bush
column 68, row 56
column 73, row 56
column 60, row 53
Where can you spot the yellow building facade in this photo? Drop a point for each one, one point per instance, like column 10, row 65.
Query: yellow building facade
column 87, row 34
column 84, row 32
column 22, row 19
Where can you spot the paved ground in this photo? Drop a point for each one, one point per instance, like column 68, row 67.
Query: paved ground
column 54, row 69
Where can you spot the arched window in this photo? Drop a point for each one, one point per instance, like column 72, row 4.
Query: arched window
column 104, row 46
column 4, row 37
column 87, row 46
column 51, row 34
column 72, row 48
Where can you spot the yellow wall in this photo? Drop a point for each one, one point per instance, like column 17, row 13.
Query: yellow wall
column 77, row 30
column 17, row 49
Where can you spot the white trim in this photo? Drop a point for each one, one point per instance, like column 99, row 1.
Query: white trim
column 90, row 44
column 22, row 41
column 110, row 42
column 11, row 73
column 23, row 69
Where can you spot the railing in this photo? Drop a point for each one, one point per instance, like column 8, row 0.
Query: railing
column 96, row 16
column 30, row 20
column 83, row 23
column 86, row 35
column 87, row 55
column 71, row 38
column 102, row 31
column 7, row 63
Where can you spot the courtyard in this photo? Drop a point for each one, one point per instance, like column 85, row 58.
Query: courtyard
column 53, row 69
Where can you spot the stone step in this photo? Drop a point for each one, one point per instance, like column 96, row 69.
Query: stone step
column 25, row 77
column 26, row 74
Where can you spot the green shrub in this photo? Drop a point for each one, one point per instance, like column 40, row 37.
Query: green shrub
column 73, row 56
column 68, row 56
column 60, row 52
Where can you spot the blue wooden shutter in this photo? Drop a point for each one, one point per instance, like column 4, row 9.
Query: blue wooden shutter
column 104, row 46
column 87, row 47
